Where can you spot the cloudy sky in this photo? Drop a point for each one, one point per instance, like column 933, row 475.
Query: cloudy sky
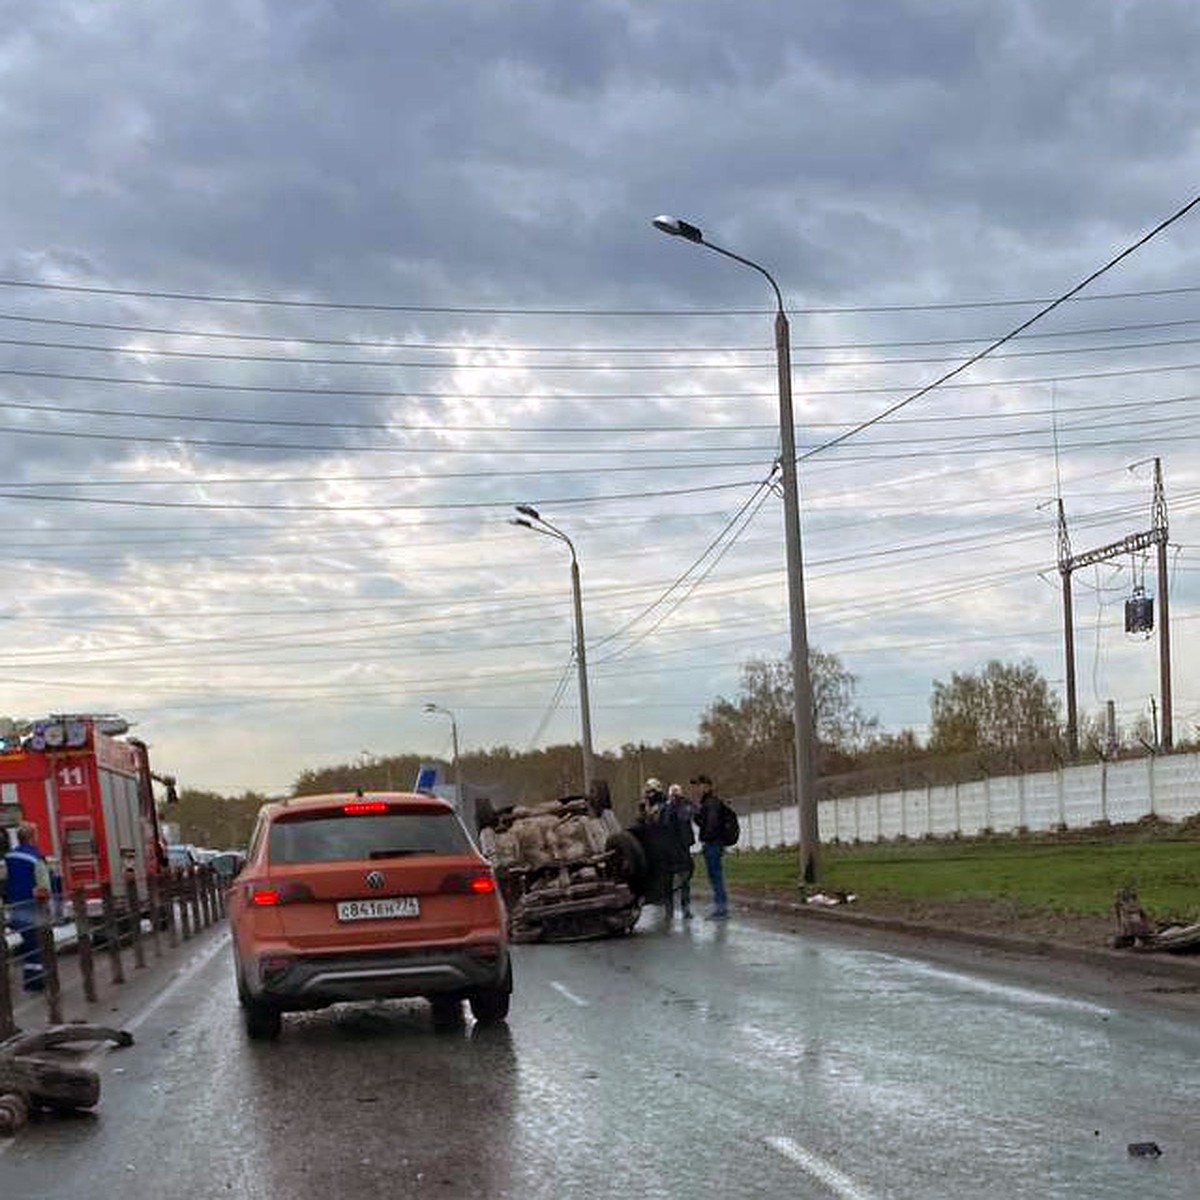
column 299, row 298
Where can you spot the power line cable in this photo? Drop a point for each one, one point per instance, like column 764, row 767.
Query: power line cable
column 525, row 348
column 1039, row 315
column 575, row 397
column 500, row 310
column 662, row 367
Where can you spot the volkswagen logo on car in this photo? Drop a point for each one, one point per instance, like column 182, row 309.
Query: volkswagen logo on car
column 375, row 880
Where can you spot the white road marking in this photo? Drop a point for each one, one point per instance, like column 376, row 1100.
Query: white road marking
column 191, row 967
column 837, row 1182
column 563, row 990
column 1007, row 991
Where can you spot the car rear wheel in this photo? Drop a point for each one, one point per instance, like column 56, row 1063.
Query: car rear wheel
column 263, row 1023
column 489, row 1006
column 447, row 1011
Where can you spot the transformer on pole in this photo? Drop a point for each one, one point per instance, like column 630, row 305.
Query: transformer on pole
column 1139, row 610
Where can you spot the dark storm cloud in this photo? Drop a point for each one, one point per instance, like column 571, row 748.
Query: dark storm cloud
column 416, row 151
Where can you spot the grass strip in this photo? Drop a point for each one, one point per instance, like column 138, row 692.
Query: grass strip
column 1079, row 878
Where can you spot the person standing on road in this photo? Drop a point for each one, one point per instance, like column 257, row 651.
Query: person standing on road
column 27, row 877
column 678, row 815
column 655, row 837
column 709, row 820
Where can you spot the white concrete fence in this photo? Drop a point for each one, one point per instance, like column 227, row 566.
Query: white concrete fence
column 1074, row 797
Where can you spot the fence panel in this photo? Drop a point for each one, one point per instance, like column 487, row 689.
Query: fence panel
column 1041, row 800
column 1076, row 797
column 1177, row 785
column 1128, row 791
column 756, row 827
column 791, row 826
column 1004, row 798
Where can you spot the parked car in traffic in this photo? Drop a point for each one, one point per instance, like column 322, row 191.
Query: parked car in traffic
column 349, row 897
column 226, row 864
column 182, row 854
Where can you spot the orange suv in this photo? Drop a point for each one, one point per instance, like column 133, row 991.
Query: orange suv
column 353, row 897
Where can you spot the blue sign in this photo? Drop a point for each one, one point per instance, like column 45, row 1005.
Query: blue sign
column 427, row 777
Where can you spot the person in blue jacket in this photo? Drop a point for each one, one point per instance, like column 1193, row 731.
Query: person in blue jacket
column 26, row 874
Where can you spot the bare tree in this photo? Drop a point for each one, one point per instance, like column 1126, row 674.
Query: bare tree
column 1002, row 707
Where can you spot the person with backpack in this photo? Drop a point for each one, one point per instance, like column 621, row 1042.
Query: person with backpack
column 716, row 829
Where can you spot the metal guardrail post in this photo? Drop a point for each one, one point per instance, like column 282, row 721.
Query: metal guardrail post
column 202, row 881
column 48, row 952
column 167, row 884
column 133, row 905
column 179, row 885
column 154, row 904
column 193, row 882
column 83, row 938
column 112, row 936
column 7, row 1025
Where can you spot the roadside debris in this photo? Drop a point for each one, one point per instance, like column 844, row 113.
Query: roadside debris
column 1144, row 1150
column 829, row 898
column 1135, row 930
column 33, row 1075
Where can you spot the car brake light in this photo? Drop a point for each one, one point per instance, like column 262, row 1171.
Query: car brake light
column 480, row 883
column 285, row 893
column 358, row 807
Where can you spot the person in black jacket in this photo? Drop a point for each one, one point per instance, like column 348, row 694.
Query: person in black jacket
column 677, row 816
column 709, row 821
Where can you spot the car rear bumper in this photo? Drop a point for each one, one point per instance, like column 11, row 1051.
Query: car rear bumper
column 315, row 980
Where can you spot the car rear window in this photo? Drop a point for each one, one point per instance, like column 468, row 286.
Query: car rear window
column 336, row 837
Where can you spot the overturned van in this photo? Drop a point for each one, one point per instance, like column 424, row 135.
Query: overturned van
column 567, row 870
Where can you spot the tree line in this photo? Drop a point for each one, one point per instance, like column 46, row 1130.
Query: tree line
column 1000, row 718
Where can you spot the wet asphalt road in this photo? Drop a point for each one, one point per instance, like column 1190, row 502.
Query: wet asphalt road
column 687, row 1061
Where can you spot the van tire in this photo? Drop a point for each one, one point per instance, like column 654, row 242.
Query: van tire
column 631, row 858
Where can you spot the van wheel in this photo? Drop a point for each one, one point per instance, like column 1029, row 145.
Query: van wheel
column 263, row 1023
column 630, row 859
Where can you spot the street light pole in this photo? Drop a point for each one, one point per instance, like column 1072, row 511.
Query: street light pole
column 530, row 515
column 458, row 783
column 802, row 705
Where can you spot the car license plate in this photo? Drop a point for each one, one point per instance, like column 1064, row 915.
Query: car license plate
column 374, row 910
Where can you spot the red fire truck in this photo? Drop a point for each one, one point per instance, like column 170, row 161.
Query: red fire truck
column 90, row 792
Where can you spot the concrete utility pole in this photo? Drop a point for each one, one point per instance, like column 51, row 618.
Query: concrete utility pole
column 459, row 799
column 802, row 702
column 530, row 518
column 1068, row 563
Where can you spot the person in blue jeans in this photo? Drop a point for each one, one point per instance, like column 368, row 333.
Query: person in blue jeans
column 708, row 820
column 26, row 874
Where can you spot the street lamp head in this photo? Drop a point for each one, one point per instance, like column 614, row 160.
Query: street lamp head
column 678, row 228
column 431, row 707
column 520, row 521
column 527, row 510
